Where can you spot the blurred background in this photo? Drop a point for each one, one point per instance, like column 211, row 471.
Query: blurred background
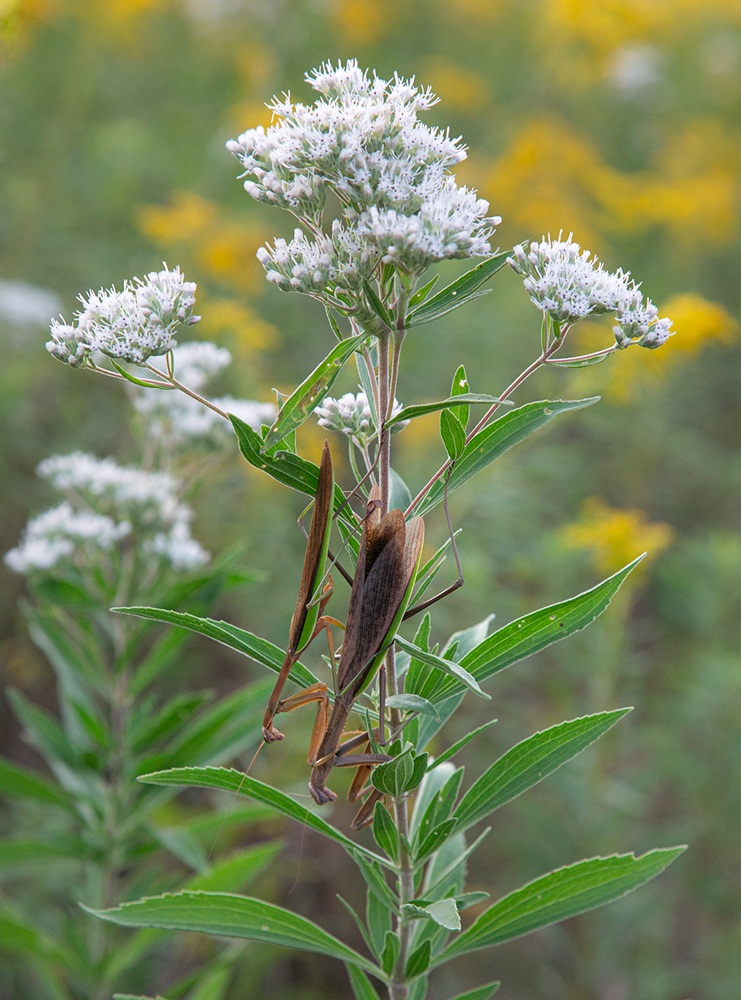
column 619, row 121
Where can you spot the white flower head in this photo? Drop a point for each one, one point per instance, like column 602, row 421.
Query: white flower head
column 568, row 286
column 362, row 140
column 58, row 533
column 351, row 415
column 106, row 504
column 132, row 325
column 562, row 280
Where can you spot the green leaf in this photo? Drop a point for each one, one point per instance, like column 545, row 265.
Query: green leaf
column 470, row 899
column 44, row 732
column 560, row 894
column 223, row 729
column 454, row 670
column 147, row 383
column 182, row 845
column 453, row 434
column 421, row 294
column 359, row 924
column 494, row 440
column 419, row 961
column 21, row 937
column 458, row 292
column 226, row 914
column 444, row 912
column 284, row 467
column 399, row 493
column 33, row 852
column 459, row 744
column 451, row 403
column 460, row 387
column 229, row 780
column 441, row 805
column 437, row 836
column 390, row 953
column 580, row 362
column 479, row 993
column 384, row 831
column 533, row 632
column 304, row 400
column 211, row 984
column 135, row 996
column 233, row 873
column 171, row 716
column 412, row 703
column 529, row 762
column 19, row 782
column 378, row 915
column 376, row 305
column 361, row 985
column 400, row 775
column 375, row 883
column 244, row 642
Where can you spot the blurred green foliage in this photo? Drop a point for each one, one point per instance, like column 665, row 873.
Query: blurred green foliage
column 618, row 121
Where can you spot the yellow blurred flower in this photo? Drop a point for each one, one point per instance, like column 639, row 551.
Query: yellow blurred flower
column 551, row 178
column 222, row 247
column 548, row 180
column 478, row 11
column 578, row 40
column 457, row 87
column 363, row 21
column 247, row 331
column 613, row 537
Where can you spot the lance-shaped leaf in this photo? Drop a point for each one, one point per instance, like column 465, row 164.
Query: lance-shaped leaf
column 264, row 652
column 304, row 400
column 560, row 894
column 454, row 670
column 458, row 292
column 451, row 403
column 229, row 915
column 361, row 985
column 494, row 440
column 229, row 780
column 285, row 467
column 533, row 632
column 17, row 781
column 308, row 604
column 480, row 992
column 529, row 762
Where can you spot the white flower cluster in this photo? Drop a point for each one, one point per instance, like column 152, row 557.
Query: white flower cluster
column 351, row 415
column 132, row 325
column 106, row 503
column 565, row 284
column 363, row 141
column 338, row 261
column 56, row 533
column 176, row 418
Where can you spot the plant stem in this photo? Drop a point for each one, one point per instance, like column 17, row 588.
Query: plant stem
column 384, row 442
column 189, row 392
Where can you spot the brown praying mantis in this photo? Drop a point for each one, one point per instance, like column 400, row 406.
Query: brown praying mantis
column 388, row 560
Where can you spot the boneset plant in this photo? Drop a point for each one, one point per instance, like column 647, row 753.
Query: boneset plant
column 397, row 210
column 88, row 832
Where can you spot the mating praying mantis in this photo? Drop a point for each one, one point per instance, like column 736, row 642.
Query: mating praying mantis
column 388, row 560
